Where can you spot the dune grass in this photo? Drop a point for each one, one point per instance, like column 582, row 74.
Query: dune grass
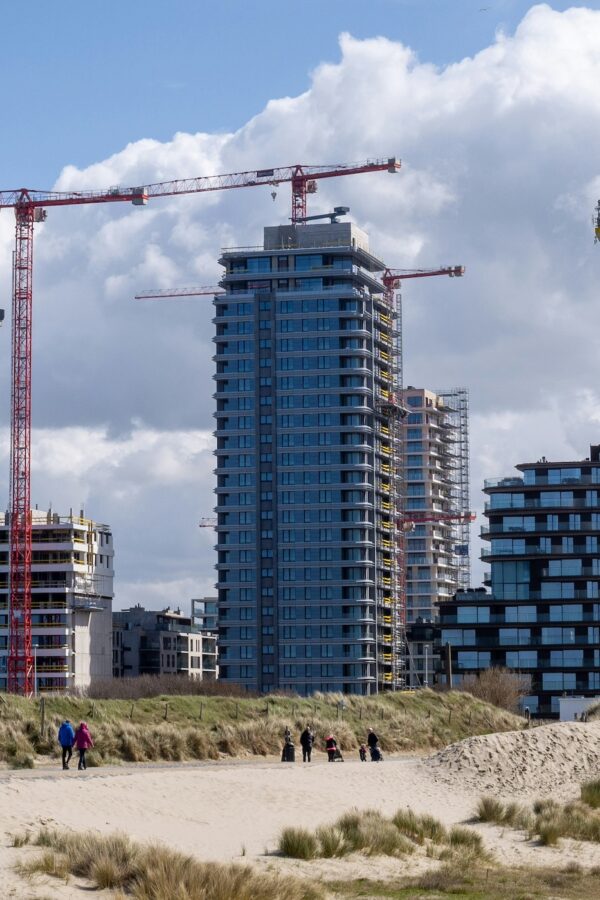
column 590, row 793
column 371, row 833
column 195, row 727
column 548, row 820
column 155, row 872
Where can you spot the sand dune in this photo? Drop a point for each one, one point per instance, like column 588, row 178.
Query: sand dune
column 548, row 760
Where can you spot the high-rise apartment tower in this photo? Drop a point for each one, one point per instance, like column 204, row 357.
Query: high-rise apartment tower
column 307, row 465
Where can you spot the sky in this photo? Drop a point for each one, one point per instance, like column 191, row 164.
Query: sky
column 492, row 106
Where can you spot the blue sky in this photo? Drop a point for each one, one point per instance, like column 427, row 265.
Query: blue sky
column 80, row 80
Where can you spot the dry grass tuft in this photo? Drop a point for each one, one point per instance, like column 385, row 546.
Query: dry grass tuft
column 298, row 843
column 489, row 809
column 367, row 831
column 418, row 828
column 20, row 839
column 156, row 872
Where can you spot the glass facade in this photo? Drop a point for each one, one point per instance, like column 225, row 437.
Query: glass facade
column 306, row 546
column 543, row 614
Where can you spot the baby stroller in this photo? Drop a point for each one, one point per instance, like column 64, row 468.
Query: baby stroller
column 337, row 756
column 376, row 754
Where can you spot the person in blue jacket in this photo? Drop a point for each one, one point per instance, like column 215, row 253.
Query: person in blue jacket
column 66, row 739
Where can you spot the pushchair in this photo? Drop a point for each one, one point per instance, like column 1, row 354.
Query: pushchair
column 376, row 754
column 337, row 755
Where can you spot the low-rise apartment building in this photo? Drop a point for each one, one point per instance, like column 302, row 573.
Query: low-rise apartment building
column 71, row 600
column 161, row 642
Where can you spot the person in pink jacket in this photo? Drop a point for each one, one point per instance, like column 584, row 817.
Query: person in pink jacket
column 83, row 742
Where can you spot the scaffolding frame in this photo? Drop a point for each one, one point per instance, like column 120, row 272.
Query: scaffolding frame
column 457, row 402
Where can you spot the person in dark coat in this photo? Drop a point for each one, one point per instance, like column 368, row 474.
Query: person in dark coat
column 307, row 740
column 372, row 739
column 66, row 739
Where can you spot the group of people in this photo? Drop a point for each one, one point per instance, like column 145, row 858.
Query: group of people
column 307, row 740
column 80, row 738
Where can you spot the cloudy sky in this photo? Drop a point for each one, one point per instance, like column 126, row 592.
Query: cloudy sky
column 495, row 113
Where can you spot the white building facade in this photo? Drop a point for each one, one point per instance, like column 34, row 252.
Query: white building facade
column 71, row 600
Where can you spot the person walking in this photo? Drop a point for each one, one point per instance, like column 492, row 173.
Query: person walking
column 66, row 739
column 307, row 740
column 372, row 739
column 83, row 742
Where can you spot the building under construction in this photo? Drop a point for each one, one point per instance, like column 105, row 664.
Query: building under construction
column 71, row 601
column 309, row 517
column 436, row 491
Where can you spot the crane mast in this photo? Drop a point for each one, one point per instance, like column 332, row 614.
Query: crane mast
column 30, row 207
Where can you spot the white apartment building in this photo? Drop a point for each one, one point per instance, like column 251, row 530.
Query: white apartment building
column 71, row 599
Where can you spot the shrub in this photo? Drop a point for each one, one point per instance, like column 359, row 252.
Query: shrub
column 498, row 686
column 21, row 761
column 299, row 843
column 146, row 686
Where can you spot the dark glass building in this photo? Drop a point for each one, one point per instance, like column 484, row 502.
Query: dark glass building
column 306, row 465
column 543, row 615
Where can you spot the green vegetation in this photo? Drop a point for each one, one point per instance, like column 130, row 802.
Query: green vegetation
column 368, row 831
column 478, row 882
column 549, row 820
column 179, row 727
column 154, row 872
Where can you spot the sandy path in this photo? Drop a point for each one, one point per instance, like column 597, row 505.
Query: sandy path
column 214, row 810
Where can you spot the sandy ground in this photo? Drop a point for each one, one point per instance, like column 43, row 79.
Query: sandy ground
column 231, row 810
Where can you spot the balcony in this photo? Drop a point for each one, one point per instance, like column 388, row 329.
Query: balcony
column 502, row 482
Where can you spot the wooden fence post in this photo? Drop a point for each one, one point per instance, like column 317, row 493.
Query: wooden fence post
column 166, row 711
column 42, row 715
column 200, row 712
column 131, row 711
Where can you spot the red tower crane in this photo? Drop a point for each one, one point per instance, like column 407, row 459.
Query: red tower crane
column 30, row 207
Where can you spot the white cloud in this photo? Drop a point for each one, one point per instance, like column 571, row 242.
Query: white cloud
column 499, row 173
